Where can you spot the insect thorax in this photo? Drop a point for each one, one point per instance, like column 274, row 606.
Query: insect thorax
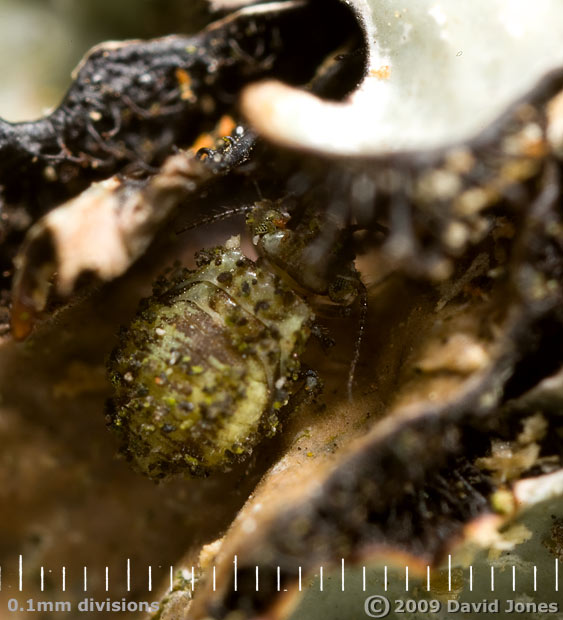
column 291, row 252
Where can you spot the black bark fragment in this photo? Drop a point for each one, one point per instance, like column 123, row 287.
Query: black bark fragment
column 132, row 102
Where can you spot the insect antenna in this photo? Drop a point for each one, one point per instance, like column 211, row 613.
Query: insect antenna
column 216, row 218
column 363, row 297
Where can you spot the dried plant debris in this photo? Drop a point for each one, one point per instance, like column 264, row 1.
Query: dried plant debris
column 417, row 276
column 455, row 508
column 439, row 201
column 107, row 227
column 134, row 103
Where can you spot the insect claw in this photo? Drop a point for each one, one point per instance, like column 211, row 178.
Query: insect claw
column 322, row 335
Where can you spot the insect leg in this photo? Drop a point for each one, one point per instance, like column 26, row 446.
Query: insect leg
column 311, row 387
column 323, row 336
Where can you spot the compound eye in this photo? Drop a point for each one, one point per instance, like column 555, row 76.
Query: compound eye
column 343, row 290
column 266, row 222
column 263, row 228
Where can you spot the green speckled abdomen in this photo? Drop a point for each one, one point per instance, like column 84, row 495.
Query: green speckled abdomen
column 202, row 371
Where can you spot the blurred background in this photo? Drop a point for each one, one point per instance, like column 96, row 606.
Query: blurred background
column 41, row 41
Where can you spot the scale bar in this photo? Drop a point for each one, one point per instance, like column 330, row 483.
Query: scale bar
column 388, row 576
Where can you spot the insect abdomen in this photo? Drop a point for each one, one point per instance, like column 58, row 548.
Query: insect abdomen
column 197, row 374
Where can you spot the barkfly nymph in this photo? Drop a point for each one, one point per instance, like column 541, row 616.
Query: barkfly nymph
column 211, row 362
